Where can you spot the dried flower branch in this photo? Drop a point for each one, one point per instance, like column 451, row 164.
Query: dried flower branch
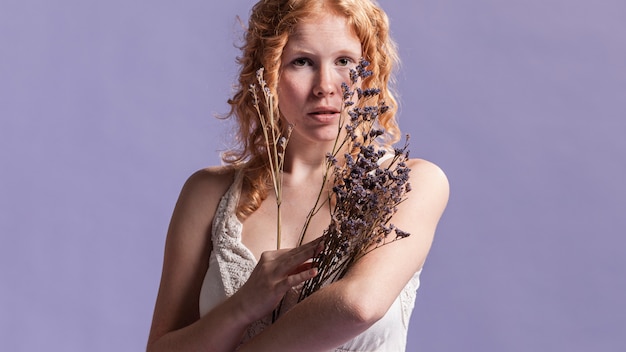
column 275, row 141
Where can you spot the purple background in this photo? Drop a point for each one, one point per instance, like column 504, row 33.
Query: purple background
column 106, row 108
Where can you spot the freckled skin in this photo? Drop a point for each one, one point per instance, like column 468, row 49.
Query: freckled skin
column 315, row 62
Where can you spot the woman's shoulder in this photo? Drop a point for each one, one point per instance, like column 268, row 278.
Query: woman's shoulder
column 206, row 186
column 426, row 176
column 426, row 168
column 423, row 173
column 428, row 184
column 212, row 178
column 422, row 170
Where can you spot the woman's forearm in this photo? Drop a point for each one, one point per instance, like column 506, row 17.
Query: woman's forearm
column 220, row 330
column 330, row 317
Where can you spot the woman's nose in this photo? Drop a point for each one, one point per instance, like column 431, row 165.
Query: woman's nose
column 325, row 84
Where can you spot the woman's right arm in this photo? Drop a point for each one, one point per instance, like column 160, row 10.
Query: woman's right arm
column 176, row 324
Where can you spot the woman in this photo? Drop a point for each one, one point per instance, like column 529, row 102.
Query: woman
column 222, row 275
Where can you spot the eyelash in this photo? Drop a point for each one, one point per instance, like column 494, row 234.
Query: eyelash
column 348, row 61
column 301, row 61
column 304, row 61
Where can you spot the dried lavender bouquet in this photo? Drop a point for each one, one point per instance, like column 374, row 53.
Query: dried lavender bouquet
column 365, row 193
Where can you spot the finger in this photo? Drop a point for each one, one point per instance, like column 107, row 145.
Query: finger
column 310, row 249
column 305, row 248
column 307, row 251
column 303, row 267
column 296, row 279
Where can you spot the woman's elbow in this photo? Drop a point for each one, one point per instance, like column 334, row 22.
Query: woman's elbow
column 363, row 307
column 368, row 313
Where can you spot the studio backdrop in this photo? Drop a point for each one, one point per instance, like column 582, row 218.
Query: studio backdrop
column 106, row 107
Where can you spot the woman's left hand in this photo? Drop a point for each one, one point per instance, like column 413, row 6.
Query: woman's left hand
column 276, row 272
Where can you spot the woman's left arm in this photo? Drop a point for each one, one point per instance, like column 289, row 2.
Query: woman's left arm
column 340, row 311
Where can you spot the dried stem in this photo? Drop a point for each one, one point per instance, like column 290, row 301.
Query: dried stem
column 275, row 143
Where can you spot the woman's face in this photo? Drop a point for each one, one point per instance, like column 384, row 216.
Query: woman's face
column 316, row 60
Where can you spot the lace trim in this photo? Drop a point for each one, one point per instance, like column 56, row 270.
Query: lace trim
column 235, row 261
column 407, row 298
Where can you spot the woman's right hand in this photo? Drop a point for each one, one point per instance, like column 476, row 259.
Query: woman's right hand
column 276, row 272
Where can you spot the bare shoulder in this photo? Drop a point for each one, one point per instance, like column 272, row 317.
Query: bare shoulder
column 430, row 189
column 196, row 207
column 190, row 226
column 426, row 173
column 209, row 181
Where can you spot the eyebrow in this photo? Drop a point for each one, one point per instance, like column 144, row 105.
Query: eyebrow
column 306, row 52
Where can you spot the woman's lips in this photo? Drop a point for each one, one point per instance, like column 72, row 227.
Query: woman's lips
column 324, row 116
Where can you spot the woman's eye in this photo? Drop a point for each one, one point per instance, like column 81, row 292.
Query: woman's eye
column 344, row 61
column 301, row 62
